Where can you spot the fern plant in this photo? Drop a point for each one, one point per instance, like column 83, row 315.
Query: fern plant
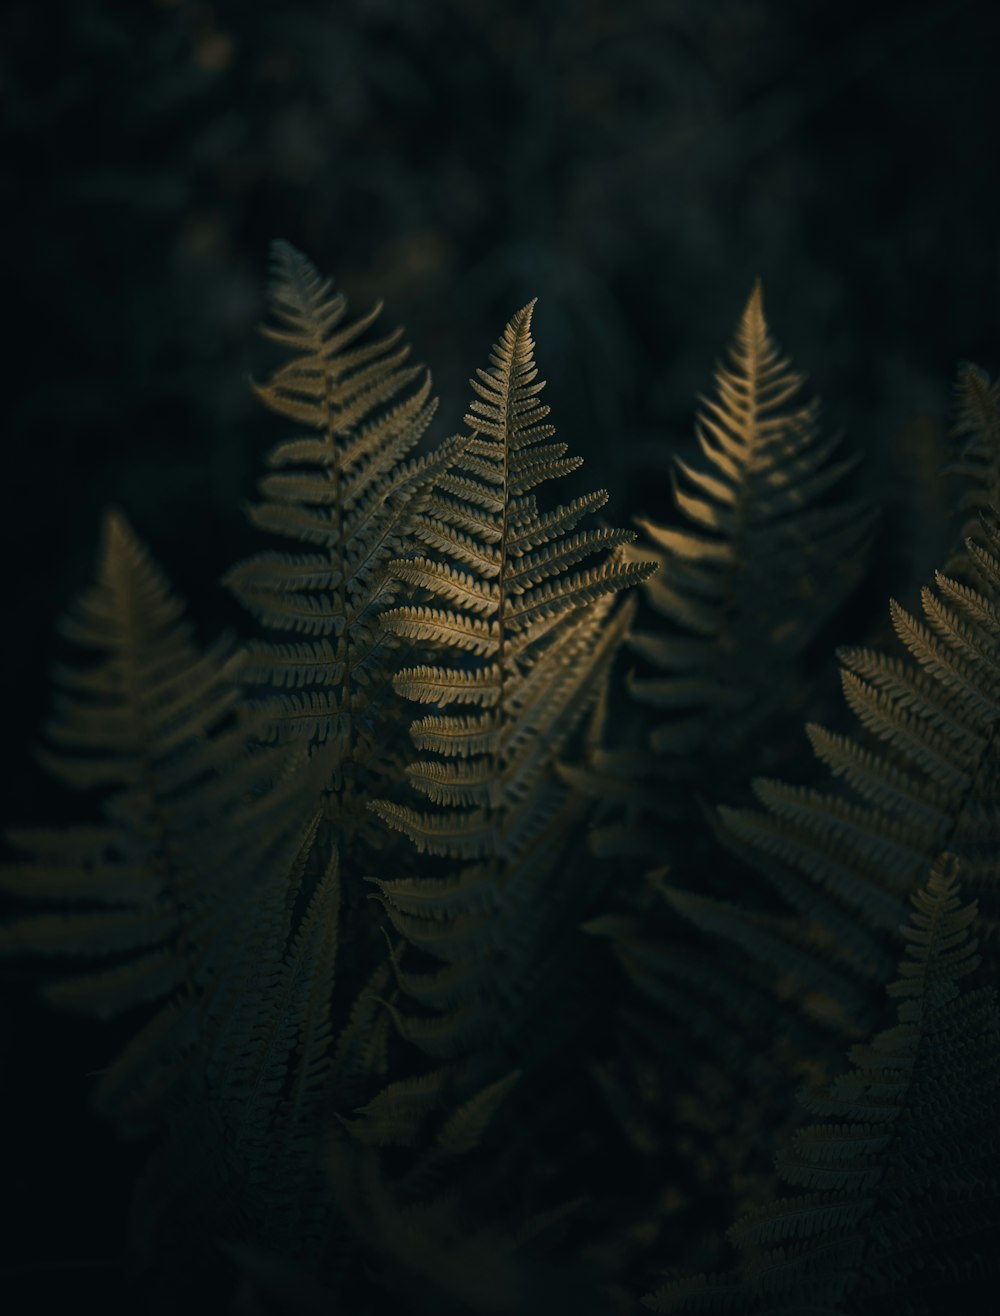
column 527, row 638
column 761, row 554
column 350, row 489
column 343, row 1124
column 902, row 1171
column 917, row 778
column 157, row 894
column 759, row 562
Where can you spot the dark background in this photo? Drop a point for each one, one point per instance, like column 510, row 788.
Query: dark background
column 633, row 163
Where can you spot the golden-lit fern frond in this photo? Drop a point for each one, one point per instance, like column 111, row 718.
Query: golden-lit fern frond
column 511, row 597
column 498, row 921
column 917, row 777
column 902, row 1172
column 525, row 639
column 760, row 560
column 760, row 551
column 349, row 490
column 157, row 893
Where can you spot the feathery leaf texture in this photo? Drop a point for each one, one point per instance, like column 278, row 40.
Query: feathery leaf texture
column 761, row 552
column 527, row 639
column 760, row 561
column 193, row 815
column 921, row 777
column 245, row 795
column 350, row 490
column 902, row 1172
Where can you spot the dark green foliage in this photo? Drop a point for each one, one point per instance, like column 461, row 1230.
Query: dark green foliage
column 158, row 893
column 447, row 1058
column 903, row 1170
column 763, row 551
column 758, row 563
column 920, row 775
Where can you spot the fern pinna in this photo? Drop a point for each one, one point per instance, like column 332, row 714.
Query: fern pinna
column 902, row 1173
column 350, row 488
column 159, row 893
column 530, row 637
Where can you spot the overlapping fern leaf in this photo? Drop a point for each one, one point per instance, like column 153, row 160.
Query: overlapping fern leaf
column 526, row 637
column 760, row 560
column 151, row 900
column 902, row 1171
column 921, row 775
column 348, row 489
column 285, row 1047
column 762, row 551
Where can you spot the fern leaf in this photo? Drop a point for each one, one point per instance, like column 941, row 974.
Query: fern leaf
column 526, row 642
column 758, row 573
column 352, row 489
column 874, row 1167
column 193, row 820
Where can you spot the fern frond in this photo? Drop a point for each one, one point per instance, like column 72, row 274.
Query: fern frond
column 915, row 1113
column 924, row 778
column 746, row 589
column 193, row 819
column 531, row 638
column 761, row 550
column 352, row 489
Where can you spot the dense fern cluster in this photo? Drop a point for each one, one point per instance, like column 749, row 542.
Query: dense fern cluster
column 463, row 974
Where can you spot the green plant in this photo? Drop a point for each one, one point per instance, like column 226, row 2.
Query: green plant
column 383, row 1060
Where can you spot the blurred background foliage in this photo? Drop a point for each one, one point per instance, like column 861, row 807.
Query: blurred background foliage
column 633, row 163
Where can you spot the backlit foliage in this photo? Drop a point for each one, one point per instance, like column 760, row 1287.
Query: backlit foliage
column 759, row 561
column 519, row 1044
column 350, row 489
column 527, row 637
